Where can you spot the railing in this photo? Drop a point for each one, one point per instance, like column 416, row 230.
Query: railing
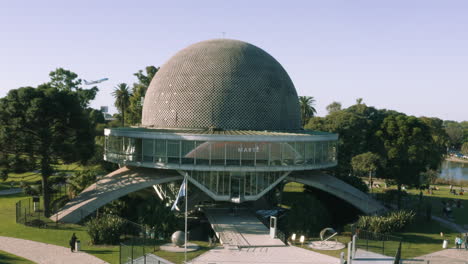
column 383, row 244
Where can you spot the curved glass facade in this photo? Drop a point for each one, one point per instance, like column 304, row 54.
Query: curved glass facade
column 165, row 152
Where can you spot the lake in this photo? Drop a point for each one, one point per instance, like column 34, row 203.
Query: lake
column 454, row 170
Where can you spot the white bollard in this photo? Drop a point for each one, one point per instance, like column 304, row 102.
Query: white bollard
column 350, row 245
column 354, row 246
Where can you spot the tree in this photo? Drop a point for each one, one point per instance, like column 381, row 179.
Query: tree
column 333, row 107
column 455, row 133
column 138, row 94
column 307, row 108
column 365, row 163
column 464, row 148
column 65, row 80
column 307, row 216
column 408, row 149
column 122, row 95
column 46, row 124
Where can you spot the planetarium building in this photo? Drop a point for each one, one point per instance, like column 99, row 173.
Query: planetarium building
column 226, row 114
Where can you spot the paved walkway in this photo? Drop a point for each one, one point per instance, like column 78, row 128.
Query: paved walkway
column 111, row 187
column 43, row 253
column 240, row 228
column 11, row 191
column 452, row 255
column 265, row 255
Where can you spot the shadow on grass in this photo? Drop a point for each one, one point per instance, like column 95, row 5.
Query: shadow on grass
column 99, row 251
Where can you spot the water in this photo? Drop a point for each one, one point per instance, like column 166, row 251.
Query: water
column 454, row 170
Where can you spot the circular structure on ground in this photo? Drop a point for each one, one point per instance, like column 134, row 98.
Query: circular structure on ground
column 225, row 84
column 169, row 247
column 326, row 245
column 178, row 238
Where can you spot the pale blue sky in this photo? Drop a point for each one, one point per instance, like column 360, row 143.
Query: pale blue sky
column 408, row 55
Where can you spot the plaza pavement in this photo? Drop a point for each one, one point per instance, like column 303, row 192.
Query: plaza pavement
column 264, row 255
column 43, row 253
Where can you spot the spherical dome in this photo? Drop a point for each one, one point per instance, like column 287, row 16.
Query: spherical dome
column 223, row 84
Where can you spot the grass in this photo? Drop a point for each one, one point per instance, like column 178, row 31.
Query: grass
column 460, row 215
column 60, row 237
column 420, row 238
column 7, row 258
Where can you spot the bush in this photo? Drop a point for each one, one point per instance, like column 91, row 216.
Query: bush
column 356, row 182
column 392, row 222
column 307, row 216
column 105, row 229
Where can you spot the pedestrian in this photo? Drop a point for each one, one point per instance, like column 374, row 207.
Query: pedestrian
column 73, row 242
column 458, row 242
column 466, row 241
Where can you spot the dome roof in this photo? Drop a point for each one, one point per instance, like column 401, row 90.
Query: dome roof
column 224, row 84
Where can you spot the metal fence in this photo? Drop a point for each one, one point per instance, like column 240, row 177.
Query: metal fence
column 140, row 250
column 382, row 244
column 29, row 211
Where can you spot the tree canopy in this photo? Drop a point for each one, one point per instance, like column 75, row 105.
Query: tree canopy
column 306, row 104
column 138, row 93
column 47, row 124
column 122, row 95
column 65, row 80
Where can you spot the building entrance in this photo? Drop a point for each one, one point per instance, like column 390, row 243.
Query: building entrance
column 237, row 188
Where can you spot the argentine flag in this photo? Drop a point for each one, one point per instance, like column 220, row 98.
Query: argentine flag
column 182, row 193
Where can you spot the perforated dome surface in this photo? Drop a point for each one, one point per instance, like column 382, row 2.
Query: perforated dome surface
column 224, row 84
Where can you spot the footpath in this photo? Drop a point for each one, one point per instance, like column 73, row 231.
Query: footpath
column 43, row 253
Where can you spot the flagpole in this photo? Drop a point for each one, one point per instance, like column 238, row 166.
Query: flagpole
column 186, row 201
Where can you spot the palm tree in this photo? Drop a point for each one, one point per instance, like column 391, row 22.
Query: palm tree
column 122, row 99
column 307, row 108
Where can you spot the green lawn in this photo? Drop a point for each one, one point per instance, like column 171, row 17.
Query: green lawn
column 420, row 238
column 7, row 258
column 460, row 215
column 61, row 236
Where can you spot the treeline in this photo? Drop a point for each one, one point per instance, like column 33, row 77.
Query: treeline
column 385, row 143
column 51, row 124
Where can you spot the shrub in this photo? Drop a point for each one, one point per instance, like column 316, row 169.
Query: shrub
column 392, row 222
column 307, row 216
column 105, row 229
column 356, row 182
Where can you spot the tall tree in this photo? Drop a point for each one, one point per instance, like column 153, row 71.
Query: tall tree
column 65, row 80
column 333, row 107
column 455, row 133
column 122, row 95
column 407, row 142
column 306, row 104
column 366, row 164
column 48, row 124
column 464, row 148
column 138, row 94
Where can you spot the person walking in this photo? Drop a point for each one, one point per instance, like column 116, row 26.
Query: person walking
column 73, row 242
column 466, row 241
column 458, row 242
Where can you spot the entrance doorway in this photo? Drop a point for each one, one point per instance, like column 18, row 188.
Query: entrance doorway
column 237, row 188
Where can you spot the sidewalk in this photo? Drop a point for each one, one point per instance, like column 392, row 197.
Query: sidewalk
column 43, row 253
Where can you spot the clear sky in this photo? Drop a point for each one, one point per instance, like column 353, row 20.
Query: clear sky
column 406, row 55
